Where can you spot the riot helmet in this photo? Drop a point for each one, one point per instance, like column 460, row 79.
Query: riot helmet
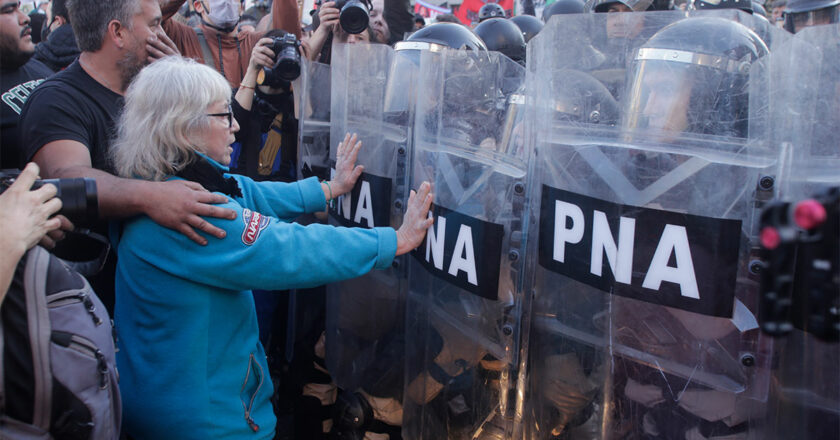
column 501, row 35
column 599, row 6
column 744, row 5
column 562, row 7
column 529, row 25
column 692, row 77
column 435, row 38
column 490, row 10
column 803, row 13
column 578, row 98
column 758, row 9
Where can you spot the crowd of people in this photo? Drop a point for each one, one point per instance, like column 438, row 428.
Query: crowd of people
column 174, row 110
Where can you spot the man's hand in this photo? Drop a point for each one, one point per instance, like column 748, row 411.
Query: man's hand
column 160, row 45
column 49, row 241
column 25, row 216
column 328, row 16
column 180, row 205
column 346, row 170
column 416, row 220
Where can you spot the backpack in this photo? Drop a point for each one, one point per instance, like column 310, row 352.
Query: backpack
column 58, row 376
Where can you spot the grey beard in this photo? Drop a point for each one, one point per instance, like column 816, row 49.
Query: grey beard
column 129, row 66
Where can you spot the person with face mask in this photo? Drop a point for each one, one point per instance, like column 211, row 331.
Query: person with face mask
column 216, row 41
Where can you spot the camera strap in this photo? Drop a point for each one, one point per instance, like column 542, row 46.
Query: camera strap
column 207, row 54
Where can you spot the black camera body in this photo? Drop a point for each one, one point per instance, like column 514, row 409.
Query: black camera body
column 79, row 199
column 286, row 62
column 354, row 17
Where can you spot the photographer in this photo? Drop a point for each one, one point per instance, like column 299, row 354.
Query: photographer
column 328, row 29
column 216, row 41
column 267, row 142
column 26, row 217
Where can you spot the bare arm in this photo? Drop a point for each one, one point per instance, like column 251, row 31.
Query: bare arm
column 328, row 15
column 260, row 56
column 177, row 205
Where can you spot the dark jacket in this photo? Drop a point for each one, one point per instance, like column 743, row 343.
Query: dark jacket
column 59, row 50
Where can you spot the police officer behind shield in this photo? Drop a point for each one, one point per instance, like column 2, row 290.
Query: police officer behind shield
column 800, row 14
column 690, row 78
column 502, row 35
column 375, row 408
column 490, row 10
column 529, row 25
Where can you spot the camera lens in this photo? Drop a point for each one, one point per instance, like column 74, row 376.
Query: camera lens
column 79, row 202
column 354, row 17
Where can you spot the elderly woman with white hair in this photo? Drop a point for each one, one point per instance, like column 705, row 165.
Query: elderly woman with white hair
column 190, row 361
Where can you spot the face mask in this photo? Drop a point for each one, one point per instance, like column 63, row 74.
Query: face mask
column 224, row 13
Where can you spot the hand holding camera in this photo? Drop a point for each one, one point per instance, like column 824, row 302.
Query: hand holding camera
column 26, row 216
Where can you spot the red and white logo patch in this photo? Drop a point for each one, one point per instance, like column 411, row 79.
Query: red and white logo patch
column 254, row 224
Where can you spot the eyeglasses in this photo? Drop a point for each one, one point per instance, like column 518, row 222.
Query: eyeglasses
column 229, row 115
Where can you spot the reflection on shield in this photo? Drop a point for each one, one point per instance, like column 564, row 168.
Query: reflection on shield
column 643, row 313
column 313, row 105
column 465, row 300
column 804, row 119
column 365, row 316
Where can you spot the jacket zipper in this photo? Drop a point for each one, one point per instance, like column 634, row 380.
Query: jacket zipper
column 251, row 361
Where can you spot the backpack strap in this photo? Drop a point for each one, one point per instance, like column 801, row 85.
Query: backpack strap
column 205, row 48
column 35, row 281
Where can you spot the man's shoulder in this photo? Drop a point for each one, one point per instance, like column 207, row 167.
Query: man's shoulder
column 36, row 69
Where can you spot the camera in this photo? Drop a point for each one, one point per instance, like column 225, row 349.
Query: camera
column 286, row 65
column 354, row 16
column 79, row 200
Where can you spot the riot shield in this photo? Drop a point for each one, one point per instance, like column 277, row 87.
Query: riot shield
column 805, row 114
column 465, row 300
column 643, row 320
column 313, row 108
column 365, row 316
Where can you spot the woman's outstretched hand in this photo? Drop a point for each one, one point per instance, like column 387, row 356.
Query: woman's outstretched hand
column 416, row 219
column 346, row 170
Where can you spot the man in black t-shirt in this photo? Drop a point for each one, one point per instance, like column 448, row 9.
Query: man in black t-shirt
column 19, row 75
column 67, row 123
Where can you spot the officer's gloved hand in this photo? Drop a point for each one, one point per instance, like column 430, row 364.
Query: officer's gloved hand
column 567, row 387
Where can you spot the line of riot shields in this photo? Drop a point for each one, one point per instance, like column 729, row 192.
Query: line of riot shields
column 595, row 266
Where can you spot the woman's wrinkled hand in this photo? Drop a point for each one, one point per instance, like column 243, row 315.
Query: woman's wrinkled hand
column 416, row 219
column 346, row 170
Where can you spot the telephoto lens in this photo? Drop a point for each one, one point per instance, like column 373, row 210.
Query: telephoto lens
column 286, row 65
column 354, row 16
column 79, row 200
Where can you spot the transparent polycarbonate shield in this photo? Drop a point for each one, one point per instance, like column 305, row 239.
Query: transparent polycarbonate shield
column 465, row 299
column 805, row 116
column 644, row 307
column 313, row 96
column 365, row 316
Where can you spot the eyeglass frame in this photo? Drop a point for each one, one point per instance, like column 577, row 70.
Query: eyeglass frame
column 229, row 115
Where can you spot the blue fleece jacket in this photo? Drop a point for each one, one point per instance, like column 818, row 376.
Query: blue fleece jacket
column 190, row 361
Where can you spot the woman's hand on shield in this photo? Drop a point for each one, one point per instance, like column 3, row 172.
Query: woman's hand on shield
column 416, row 219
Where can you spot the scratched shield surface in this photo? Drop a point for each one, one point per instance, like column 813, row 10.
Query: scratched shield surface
column 365, row 337
column 643, row 321
column 465, row 298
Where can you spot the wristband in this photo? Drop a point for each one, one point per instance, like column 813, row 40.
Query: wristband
column 243, row 86
column 329, row 200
